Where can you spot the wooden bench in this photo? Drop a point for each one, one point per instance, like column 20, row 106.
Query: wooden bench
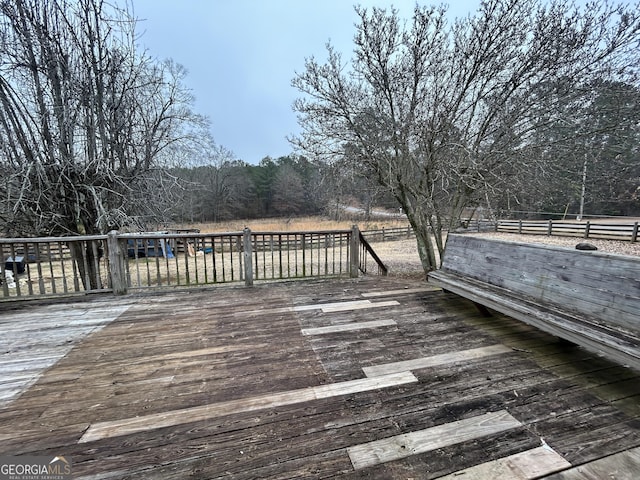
column 589, row 298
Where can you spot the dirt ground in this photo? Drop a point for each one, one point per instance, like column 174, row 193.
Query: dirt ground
column 400, row 256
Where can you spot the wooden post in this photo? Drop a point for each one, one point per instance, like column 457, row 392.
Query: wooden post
column 550, row 228
column 587, row 227
column 248, row 257
column 117, row 271
column 354, row 254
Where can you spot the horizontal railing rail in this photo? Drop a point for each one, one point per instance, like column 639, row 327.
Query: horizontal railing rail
column 387, row 234
column 123, row 262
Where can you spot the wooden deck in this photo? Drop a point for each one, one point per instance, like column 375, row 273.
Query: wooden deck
column 371, row 378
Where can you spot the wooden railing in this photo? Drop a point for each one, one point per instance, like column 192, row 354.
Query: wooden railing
column 387, row 234
column 52, row 266
column 119, row 263
column 367, row 252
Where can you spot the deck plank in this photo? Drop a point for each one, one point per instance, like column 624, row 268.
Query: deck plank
column 407, row 444
column 295, row 403
column 526, row 465
column 164, row 419
column 348, row 327
column 623, row 465
column 32, row 342
column 436, row 360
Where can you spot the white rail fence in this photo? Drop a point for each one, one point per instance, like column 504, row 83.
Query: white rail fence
column 601, row 230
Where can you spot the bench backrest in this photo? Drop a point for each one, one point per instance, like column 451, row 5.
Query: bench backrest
column 600, row 286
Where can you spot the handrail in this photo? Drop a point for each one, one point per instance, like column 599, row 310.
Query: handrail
column 366, row 248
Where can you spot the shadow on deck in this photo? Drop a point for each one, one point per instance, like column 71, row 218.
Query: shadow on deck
column 369, row 378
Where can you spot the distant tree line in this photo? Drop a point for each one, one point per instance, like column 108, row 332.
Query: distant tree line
column 289, row 186
column 293, row 186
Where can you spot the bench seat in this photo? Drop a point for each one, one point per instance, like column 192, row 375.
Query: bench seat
column 589, row 298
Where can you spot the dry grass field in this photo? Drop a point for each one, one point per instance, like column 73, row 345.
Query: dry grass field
column 296, row 224
column 400, row 256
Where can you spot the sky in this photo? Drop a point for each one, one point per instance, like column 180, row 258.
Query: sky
column 241, row 56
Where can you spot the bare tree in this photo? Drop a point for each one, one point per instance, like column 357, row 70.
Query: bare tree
column 84, row 117
column 443, row 115
column 225, row 185
column 288, row 196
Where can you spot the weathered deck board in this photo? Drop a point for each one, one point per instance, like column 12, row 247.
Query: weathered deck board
column 185, row 352
column 526, row 465
column 618, row 466
column 348, row 327
column 31, row 343
column 422, row 441
column 127, row 426
column 436, row 360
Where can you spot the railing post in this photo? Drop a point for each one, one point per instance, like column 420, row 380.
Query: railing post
column 248, row 257
column 354, row 260
column 587, row 227
column 634, row 234
column 116, row 264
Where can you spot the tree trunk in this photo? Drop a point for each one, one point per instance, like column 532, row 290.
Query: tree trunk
column 86, row 256
column 426, row 245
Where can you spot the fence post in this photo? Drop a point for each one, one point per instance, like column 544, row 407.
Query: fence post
column 550, row 228
column 587, row 227
column 354, row 254
column 634, row 234
column 116, row 264
column 248, row 257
